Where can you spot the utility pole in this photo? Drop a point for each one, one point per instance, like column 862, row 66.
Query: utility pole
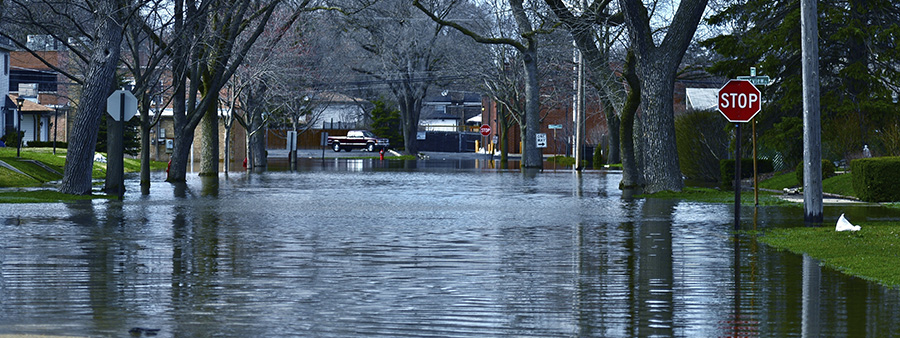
column 579, row 114
column 812, row 138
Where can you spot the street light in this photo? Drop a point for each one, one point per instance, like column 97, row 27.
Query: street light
column 19, row 102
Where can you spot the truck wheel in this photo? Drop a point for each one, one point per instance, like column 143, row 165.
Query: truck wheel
column 336, row 147
column 370, row 147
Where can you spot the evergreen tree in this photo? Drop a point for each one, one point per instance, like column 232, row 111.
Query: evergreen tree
column 386, row 122
column 858, row 68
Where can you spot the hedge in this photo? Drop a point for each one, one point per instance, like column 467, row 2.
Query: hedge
column 37, row 144
column 726, row 168
column 876, row 179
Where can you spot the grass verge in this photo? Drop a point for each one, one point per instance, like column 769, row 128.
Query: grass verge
column 401, row 157
column 708, row 195
column 44, row 196
column 870, row 253
column 780, row 181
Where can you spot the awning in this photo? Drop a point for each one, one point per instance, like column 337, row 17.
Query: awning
column 476, row 119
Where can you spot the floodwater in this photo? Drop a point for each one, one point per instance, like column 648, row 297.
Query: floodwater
column 345, row 248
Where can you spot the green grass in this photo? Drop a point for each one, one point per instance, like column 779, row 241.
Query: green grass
column 561, row 160
column 780, row 181
column 44, row 196
column 708, row 195
column 841, row 184
column 9, row 178
column 57, row 162
column 871, row 253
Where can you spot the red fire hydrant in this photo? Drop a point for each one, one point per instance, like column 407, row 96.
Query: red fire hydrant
column 381, row 153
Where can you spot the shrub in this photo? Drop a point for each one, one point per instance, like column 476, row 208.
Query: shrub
column 828, row 170
column 702, row 140
column 726, row 168
column 36, row 144
column 876, row 179
column 11, row 138
column 598, row 157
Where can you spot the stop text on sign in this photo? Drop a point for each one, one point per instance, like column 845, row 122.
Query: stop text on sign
column 738, row 100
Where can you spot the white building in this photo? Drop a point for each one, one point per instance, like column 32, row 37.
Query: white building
column 7, row 107
column 336, row 111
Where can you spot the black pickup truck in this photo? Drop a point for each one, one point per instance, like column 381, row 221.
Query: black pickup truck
column 358, row 139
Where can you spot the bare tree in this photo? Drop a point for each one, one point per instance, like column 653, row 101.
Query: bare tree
column 147, row 63
column 98, row 25
column 205, row 55
column 403, row 49
column 657, row 66
column 526, row 46
column 596, row 30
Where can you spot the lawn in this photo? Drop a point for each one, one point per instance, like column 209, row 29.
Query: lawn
column 44, row 196
column 841, row 184
column 871, row 253
column 708, row 195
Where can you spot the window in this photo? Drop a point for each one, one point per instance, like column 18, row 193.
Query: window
column 5, row 64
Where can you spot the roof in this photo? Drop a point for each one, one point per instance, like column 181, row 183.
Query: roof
column 31, row 107
column 701, row 98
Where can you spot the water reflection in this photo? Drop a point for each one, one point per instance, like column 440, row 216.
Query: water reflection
column 388, row 251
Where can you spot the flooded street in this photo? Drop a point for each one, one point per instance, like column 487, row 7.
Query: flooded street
column 344, row 248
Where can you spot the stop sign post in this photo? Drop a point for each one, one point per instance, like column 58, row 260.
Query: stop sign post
column 739, row 101
column 121, row 106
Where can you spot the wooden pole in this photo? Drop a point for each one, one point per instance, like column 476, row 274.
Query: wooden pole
column 812, row 148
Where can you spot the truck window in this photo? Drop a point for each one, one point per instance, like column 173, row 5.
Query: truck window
column 368, row 134
column 354, row 134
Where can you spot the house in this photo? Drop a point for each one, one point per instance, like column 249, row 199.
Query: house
column 35, row 120
column 451, row 111
column 701, row 98
column 43, row 85
column 330, row 110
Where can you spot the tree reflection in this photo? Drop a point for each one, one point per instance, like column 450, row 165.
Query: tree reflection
column 654, row 271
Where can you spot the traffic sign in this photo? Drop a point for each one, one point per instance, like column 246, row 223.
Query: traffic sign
column 541, row 140
column 485, row 129
column 121, row 105
column 555, row 126
column 739, row 101
column 757, row 80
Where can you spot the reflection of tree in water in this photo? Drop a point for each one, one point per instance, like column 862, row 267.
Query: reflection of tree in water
column 195, row 253
column 654, row 270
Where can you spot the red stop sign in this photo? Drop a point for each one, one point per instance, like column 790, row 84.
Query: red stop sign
column 739, row 101
column 485, row 130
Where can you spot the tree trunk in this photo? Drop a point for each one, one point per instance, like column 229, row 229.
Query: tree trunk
column 631, row 175
column 663, row 171
column 209, row 140
column 256, row 128
column 503, row 139
column 145, row 146
column 613, row 124
column 531, row 154
column 410, row 108
column 101, row 72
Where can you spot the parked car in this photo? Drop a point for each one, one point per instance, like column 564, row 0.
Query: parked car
column 358, row 139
